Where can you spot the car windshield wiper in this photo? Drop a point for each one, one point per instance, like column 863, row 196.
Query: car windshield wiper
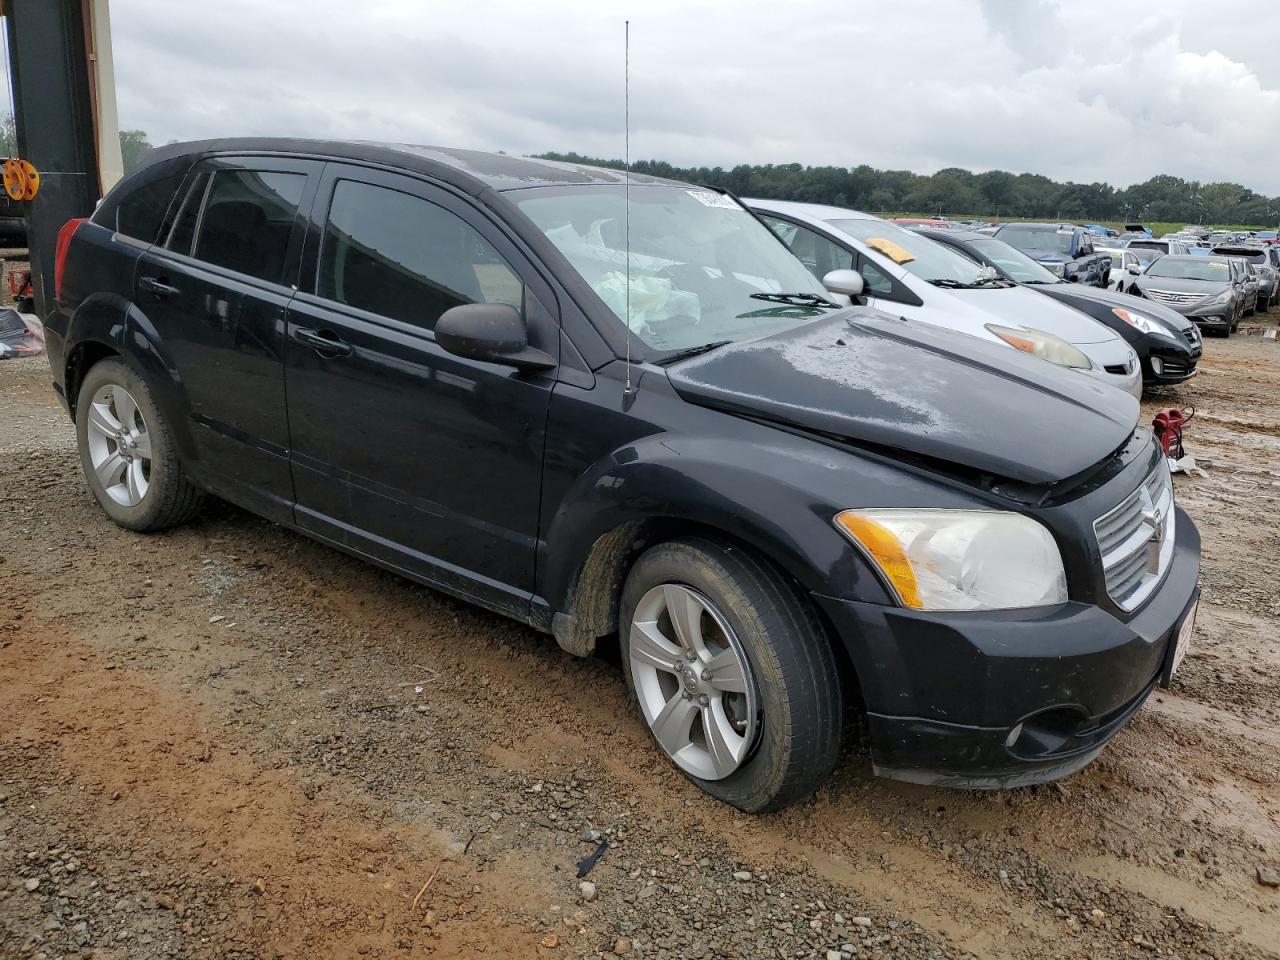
column 949, row 284
column 691, row 352
column 799, row 299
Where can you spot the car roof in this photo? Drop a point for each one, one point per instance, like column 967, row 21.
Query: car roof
column 467, row 169
column 935, row 233
column 809, row 211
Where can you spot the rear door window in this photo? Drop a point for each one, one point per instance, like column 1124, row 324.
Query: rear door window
column 247, row 219
column 397, row 255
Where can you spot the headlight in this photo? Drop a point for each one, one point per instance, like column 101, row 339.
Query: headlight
column 1223, row 297
column 960, row 559
column 1144, row 324
column 1058, row 268
column 1043, row 345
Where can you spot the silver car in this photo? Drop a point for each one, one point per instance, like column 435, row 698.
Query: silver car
column 1268, row 275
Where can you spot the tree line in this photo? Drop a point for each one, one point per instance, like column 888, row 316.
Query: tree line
column 954, row 192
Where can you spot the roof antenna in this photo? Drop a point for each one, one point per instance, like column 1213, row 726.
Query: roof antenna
column 627, row 389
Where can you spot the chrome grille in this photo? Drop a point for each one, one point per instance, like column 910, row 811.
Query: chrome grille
column 1173, row 296
column 1136, row 540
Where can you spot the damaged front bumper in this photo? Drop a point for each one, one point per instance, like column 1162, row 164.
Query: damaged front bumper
column 1006, row 698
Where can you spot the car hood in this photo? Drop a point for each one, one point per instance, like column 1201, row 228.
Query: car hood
column 1020, row 307
column 1206, row 288
column 1067, row 292
column 920, row 389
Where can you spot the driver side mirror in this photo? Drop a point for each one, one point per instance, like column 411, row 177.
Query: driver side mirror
column 847, row 283
column 1135, row 269
column 492, row 332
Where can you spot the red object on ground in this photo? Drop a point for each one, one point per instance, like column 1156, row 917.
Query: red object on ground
column 1167, row 425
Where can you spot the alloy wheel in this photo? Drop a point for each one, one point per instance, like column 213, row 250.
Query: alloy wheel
column 119, row 445
column 693, row 681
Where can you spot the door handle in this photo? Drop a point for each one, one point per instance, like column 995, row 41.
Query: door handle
column 158, row 288
column 322, row 342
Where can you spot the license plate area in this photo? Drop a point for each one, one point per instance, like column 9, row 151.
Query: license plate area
column 1179, row 642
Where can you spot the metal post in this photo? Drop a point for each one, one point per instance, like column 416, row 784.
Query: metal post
column 53, row 114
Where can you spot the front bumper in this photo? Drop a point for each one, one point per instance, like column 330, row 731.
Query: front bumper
column 1168, row 361
column 1001, row 699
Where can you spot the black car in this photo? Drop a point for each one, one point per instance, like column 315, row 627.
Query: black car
column 1065, row 250
column 778, row 505
column 1168, row 344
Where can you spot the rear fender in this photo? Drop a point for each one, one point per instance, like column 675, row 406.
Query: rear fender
column 107, row 322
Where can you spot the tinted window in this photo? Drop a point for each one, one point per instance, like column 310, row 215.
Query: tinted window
column 185, row 215
column 138, row 212
column 875, row 281
column 248, row 216
column 400, row 256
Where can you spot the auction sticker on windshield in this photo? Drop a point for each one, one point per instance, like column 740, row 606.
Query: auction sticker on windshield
column 713, row 199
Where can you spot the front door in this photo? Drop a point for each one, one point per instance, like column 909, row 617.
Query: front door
column 401, row 450
column 215, row 287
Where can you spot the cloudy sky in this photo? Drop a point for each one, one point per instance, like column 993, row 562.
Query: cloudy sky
column 1086, row 90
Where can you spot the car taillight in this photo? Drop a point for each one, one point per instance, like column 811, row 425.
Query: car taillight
column 60, row 252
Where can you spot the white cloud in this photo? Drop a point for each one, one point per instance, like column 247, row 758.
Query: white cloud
column 1089, row 90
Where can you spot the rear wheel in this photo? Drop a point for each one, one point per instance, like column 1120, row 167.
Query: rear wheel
column 732, row 672
column 127, row 451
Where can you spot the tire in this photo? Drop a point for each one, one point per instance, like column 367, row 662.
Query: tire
column 163, row 496
column 792, row 723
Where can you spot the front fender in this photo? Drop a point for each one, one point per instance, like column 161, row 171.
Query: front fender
column 774, row 497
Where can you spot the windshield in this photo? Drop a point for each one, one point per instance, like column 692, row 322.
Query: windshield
column 1012, row 262
column 1244, row 253
column 927, row 259
column 696, row 259
column 1040, row 239
column 1191, row 268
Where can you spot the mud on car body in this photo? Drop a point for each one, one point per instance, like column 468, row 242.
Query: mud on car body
column 777, row 505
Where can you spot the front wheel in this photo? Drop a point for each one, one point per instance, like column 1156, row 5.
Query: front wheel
column 732, row 672
column 127, row 451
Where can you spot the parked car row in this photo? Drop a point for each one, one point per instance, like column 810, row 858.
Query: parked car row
column 804, row 467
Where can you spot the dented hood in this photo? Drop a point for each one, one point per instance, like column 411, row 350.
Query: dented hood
column 921, row 389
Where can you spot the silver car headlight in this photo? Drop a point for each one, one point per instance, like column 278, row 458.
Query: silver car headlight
column 1223, row 297
column 1058, row 268
column 960, row 559
column 1046, row 346
column 1143, row 323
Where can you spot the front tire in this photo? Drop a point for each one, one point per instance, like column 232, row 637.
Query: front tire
column 127, row 451
column 732, row 672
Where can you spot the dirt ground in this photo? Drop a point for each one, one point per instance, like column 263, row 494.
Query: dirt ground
column 228, row 741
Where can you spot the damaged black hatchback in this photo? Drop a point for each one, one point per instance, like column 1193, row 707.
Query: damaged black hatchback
column 616, row 410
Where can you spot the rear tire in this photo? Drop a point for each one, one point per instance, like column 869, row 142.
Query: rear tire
column 127, row 451
column 789, row 715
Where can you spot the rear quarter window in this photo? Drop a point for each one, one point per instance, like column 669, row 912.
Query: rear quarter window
column 138, row 209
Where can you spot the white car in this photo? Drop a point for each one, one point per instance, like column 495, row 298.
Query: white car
column 1125, row 269
column 913, row 277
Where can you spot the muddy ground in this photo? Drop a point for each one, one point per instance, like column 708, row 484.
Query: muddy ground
column 228, row 741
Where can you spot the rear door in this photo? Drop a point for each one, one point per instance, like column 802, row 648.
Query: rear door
column 215, row 287
column 400, row 450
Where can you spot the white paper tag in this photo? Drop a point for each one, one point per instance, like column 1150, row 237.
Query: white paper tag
column 708, row 199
